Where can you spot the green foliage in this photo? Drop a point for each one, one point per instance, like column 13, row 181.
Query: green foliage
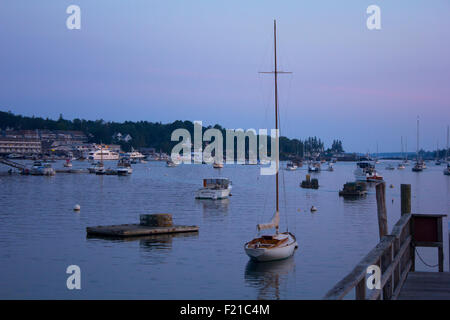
column 146, row 134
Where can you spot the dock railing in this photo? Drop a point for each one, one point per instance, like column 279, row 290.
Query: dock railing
column 394, row 255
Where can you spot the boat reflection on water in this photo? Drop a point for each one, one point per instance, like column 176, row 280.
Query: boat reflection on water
column 267, row 277
column 213, row 208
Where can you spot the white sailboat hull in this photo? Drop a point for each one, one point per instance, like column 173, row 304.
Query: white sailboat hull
column 272, row 254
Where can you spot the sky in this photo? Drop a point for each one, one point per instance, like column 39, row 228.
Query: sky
column 199, row 60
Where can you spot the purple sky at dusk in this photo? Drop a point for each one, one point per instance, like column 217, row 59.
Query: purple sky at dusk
column 199, row 60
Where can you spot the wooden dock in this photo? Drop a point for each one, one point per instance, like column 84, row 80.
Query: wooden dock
column 136, row 230
column 395, row 257
column 426, row 286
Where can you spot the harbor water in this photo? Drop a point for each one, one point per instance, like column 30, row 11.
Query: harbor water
column 41, row 235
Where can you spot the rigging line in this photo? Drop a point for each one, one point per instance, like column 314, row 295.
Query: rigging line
column 428, row 265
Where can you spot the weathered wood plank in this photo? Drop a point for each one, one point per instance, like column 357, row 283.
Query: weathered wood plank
column 425, row 286
column 381, row 209
column 359, row 272
column 131, row 230
column 405, row 194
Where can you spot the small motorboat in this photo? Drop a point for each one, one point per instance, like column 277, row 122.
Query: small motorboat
column 390, row 166
column 314, row 166
column 100, row 170
column 171, row 164
column 330, row 166
column 447, row 169
column 68, row 164
column 290, row 166
column 214, row 188
column 42, row 169
column 419, row 166
column 400, row 166
column 124, row 167
column 94, row 167
column 217, row 165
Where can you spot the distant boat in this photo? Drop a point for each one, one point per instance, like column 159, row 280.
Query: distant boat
column 68, row 164
column 171, row 164
column 314, row 166
column 420, row 165
column 124, row 167
column 133, row 154
column 217, row 165
column 400, row 166
column 42, row 169
column 390, row 166
column 279, row 245
column 214, row 188
column 365, row 171
column 103, row 154
column 290, row 166
column 330, row 166
column 94, row 167
column 447, row 169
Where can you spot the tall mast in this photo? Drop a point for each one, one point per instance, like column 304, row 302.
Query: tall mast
column 401, row 143
column 276, row 106
column 275, row 73
column 406, row 148
column 417, row 152
column 446, row 150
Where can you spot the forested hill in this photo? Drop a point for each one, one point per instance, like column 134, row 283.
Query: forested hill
column 144, row 133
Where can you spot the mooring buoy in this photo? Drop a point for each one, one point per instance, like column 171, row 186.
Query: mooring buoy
column 77, row 207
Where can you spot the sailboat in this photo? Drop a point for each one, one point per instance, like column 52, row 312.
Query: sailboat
column 419, row 166
column 100, row 169
column 438, row 161
column 406, row 161
column 277, row 246
column 401, row 165
column 447, row 169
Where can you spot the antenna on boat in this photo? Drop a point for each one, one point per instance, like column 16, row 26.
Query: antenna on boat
column 275, row 73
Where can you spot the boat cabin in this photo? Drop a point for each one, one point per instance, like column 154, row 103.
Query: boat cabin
column 216, row 183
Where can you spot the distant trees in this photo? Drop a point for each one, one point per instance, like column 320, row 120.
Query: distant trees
column 336, row 147
column 148, row 134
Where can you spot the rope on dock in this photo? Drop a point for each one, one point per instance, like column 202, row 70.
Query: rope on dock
column 428, row 265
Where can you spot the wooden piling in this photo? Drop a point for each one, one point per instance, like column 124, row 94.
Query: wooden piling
column 405, row 192
column 381, row 209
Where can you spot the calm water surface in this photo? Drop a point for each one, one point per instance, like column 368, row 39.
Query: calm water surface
column 40, row 234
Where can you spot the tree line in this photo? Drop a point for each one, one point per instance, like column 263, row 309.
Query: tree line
column 150, row 134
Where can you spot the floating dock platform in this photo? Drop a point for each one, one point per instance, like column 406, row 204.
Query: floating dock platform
column 134, row 230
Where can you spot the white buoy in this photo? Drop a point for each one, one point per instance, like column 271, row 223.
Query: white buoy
column 313, row 209
column 77, row 207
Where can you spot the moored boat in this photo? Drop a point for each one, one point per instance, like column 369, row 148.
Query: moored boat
column 214, row 188
column 314, row 166
column 42, row 169
column 290, row 166
column 277, row 246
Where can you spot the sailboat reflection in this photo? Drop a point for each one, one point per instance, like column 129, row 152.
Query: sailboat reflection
column 268, row 276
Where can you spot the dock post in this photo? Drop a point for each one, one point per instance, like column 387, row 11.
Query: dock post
column 405, row 192
column 386, row 258
column 381, row 209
